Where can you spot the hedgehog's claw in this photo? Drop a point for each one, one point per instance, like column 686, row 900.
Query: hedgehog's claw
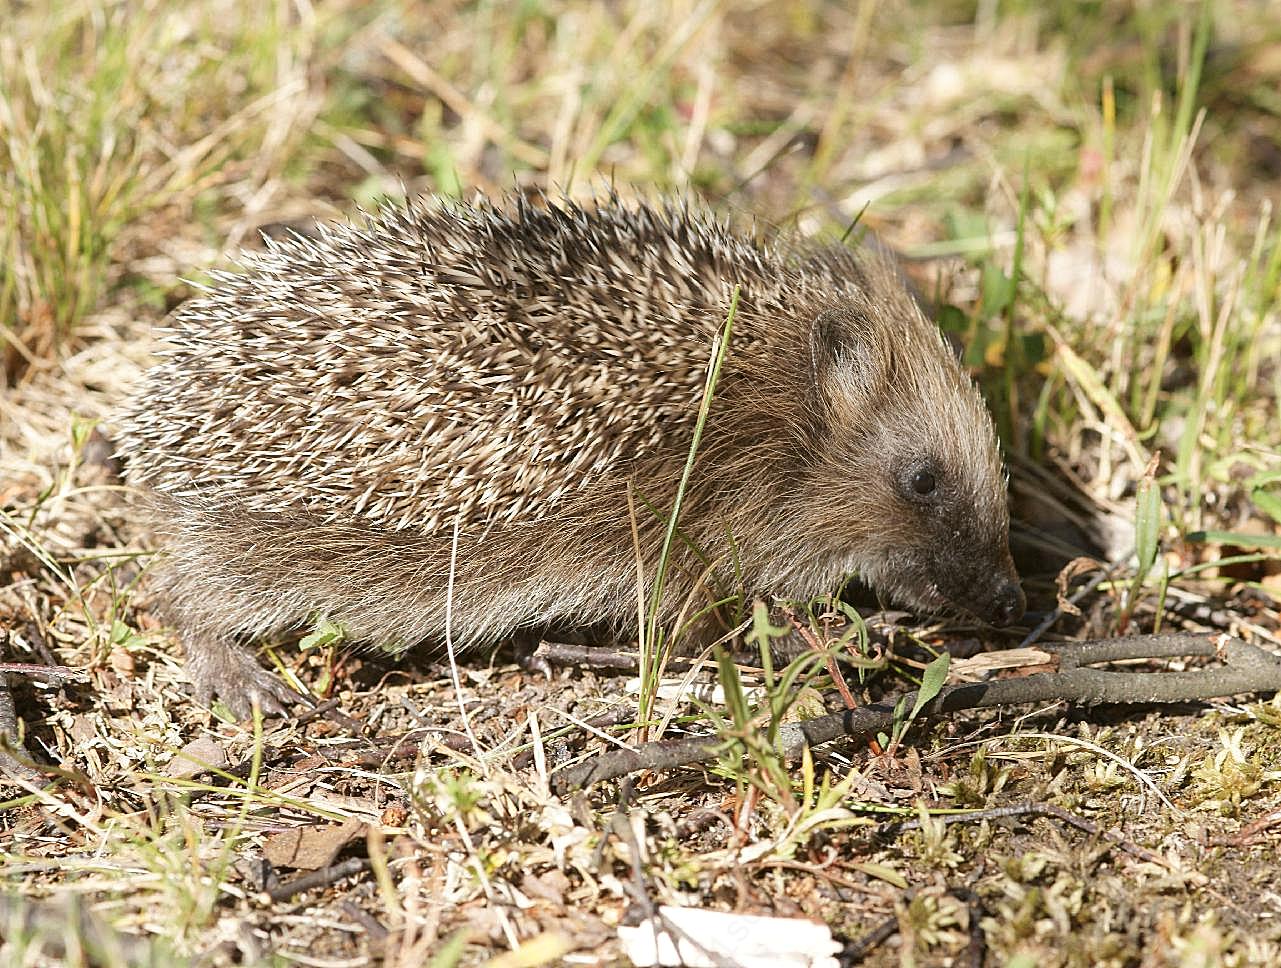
column 228, row 671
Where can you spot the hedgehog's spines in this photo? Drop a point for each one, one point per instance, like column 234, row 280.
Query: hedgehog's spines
column 462, row 325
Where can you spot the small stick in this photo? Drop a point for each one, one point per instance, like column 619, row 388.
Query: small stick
column 591, row 657
column 321, row 878
column 49, row 673
column 600, row 659
column 373, row 927
column 1247, row 669
column 1250, row 834
column 880, row 934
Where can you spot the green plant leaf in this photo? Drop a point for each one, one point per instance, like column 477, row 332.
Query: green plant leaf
column 931, row 682
column 1265, row 500
column 326, row 633
column 998, row 289
column 1147, row 523
column 1235, row 538
column 951, row 319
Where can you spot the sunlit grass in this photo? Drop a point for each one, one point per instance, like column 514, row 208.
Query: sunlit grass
column 112, row 111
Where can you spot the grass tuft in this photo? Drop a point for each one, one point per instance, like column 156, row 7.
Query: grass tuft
column 113, row 113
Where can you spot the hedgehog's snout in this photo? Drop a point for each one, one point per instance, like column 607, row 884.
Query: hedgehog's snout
column 1007, row 604
column 987, row 587
column 994, row 596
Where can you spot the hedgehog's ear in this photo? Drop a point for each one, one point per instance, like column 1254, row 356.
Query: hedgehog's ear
column 840, row 356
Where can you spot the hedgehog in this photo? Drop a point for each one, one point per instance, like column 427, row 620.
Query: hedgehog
column 460, row 423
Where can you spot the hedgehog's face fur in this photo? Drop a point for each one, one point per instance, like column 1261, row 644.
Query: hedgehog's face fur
column 906, row 486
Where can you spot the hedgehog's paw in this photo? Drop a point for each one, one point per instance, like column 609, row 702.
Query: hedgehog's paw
column 229, row 671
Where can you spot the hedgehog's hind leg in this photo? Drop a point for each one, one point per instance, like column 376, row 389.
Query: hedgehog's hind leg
column 219, row 591
column 221, row 667
column 217, row 615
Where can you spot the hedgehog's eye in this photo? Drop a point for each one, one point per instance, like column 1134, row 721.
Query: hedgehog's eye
column 923, row 483
column 919, row 482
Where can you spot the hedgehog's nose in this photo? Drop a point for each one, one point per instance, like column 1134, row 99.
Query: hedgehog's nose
column 1008, row 604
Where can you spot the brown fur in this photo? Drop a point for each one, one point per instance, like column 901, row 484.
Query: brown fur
column 324, row 425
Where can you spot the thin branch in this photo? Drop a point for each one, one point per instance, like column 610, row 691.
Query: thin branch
column 321, row 878
column 1246, row 669
column 47, row 673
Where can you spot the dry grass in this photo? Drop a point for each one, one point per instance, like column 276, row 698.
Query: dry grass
column 1087, row 188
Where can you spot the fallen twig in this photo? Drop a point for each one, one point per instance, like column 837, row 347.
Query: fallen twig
column 374, row 929
column 1250, row 835
column 1247, row 669
column 594, row 657
column 321, row 878
column 49, row 673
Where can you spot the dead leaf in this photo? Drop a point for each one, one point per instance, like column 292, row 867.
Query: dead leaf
column 123, row 663
column 1075, row 567
column 198, row 756
column 551, row 886
column 311, row 848
column 981, row 666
